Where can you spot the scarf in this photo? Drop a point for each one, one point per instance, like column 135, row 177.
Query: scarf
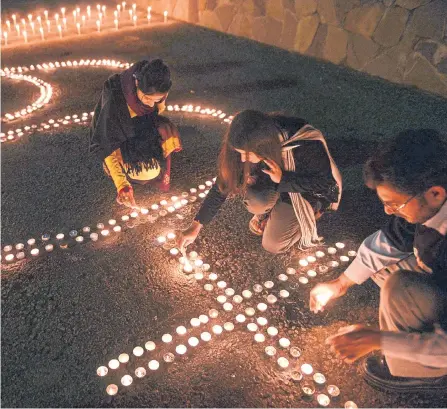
column 303, row 210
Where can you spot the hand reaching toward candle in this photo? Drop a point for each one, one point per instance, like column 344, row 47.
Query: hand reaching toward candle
column 275, row 172
column 322, row 293
column 189, row 235
column 125, row 197
column 353, row 342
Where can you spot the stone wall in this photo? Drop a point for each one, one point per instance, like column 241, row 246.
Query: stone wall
column 403, row 41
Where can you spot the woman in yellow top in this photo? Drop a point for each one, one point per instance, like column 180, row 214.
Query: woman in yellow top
column 128, row 133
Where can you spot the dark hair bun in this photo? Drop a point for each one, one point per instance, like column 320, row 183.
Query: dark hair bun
column 153, row 76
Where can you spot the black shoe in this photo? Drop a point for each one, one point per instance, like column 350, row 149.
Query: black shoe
column 376, row 373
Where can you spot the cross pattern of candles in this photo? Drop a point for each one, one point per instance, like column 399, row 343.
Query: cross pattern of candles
column 61, row 22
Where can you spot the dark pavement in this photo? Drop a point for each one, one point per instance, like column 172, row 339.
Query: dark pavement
column 65, row 314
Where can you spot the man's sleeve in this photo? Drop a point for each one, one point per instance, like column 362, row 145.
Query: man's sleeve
column 375, row 253
column 428, row 349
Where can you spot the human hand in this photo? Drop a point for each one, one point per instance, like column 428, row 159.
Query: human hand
column 275, row 172
column 125, row 197
column 353, row 342
column 189, row 235
column 323, row 292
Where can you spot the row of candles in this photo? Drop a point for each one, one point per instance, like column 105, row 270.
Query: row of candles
column 46, row 89
column 193, row 260
column 78, row 21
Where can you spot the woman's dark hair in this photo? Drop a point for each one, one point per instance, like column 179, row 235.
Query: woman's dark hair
column 252, row 131
column 412, row 162
column 153, row 76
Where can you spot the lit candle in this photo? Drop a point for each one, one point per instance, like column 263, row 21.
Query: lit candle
column 228, row 306
column 212, row 277
column 323, row 400
column 284, row 294
column 259, row 337
column 344, row 259
column 271, row 299
column 340, row 245
column 165, row 15
column 195, row 322
column 269, row 284
column 78, row 26
column 59, row 28
column 103, row 8
column 352, row 253
column 49, row 26
column 118, row 7
column 303, row 280
column 228, row 326
column 123, row 358
column 74, row 16
column 138, row 351
column 306, row 369
column 166, row 338
column 203, row 319
column 14, row 19
column 257, row 288
column 63, row 11
column 5, row 36
column 41, row 34
column 149, row 17
column 181, row 330
column 283, row 277
column 89, row 12
column 319, row 378
column 83, row 20
column 174, row 252
column 193, row 341
column 208, row 287
column 252, row 327
column 284, row 342
column 217, row 329
column 49, row 247
column 150, row 345
column 270, row 350
column 311, row 259
column 312, row 273
column 250, row 311
column 295, row 352
column 181, row 349
column 205, row 336
column 102, row 371
column 94, row 236
column 262, row 321
column 272, row 331
column 18, row 30
column 240, row 318
column 331, row 250
column 153, row 365
column 168, row 357
column 262, row 307
column 32, row 27
column 130, row 14
column 247, row 294
column 112, row 389
column 283, row 362
column 323, row 297
column 114, row 364
column 303, row 263
column 20, row 255
column 213, row 313
column 140, row 372
column 8, row 24
column 9, row 257
column 333, row 390
column 238, row 299
column 308, row 388
column 34, row 252
column 98, row 25
column 98, row 7
column 100, row 17
column 221, row 284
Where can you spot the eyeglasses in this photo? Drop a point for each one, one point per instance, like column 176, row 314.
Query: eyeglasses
column 398, row 208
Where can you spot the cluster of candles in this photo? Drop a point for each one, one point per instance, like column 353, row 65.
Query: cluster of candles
column 24, row 29
column 46, row 91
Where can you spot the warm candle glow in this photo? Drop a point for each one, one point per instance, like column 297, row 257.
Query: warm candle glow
column 123, row 358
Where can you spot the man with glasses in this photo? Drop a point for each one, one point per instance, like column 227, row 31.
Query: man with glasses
column 408, row 260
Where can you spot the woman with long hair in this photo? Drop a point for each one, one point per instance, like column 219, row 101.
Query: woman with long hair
column 132, row 139
column 282, row 168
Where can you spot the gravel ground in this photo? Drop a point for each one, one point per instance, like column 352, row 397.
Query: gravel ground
column 66, row 314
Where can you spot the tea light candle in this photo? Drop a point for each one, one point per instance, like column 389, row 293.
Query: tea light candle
column 198, row 276
column 193, row 341
column 213, row 313
column 350, row 405
column 202, row 187
column 114, row 364
column 163, row 213
column 252, row 327
column 312, row 273
column 171, row 209
column 203, row 319
column 228, row 306
column 168, row 357
column 262, row 321
column 311, row 259
column 116, row 229
column 198, row 262
column 271, row 299
column 9, row 257
column 240, row 318
column 20, row 246
column 283, row 362
column 259, row 337
column 181, row 349
column 290, row 271
column 217, row 329
column 272, row 331
column 20, row 255
column 105, row 232
column 79, row 239
column 94, row 236
column 49, row 247
column 138, row 351
column 7, row 248
column 296, row 375
column 221, row 299
column 212, row 276
column 257, row 288
column 153, row 365
column 32, row 242
column 334, row 264
column 206, row 267
column 112, row 389
column 284, row 294
column 140, row 372
column 154, row 207
column 221, row 284
column 331, row 250
column 323, row 269
column 208, row 287
column 150, row 345
column 125, row 218
column 283, row 277
column 333, row 390
column 229, row 292
column 181, row 330
column 86, row 229
column 237, row 299
column 102, row 371
column 303, row 263
column 187, row 268
column 195, row 322
column 193, row 255
column 123, row 358
column 319, row 378
column 34, row 252
column 303, row 280
column 340, row 245
column 60, row 236
column 270, row 350
column 166, row 338
column 344, row 259
column 320, row 254
column 250, row 311
column 323, row 400
column 247, row 294
column 205, row 336
column 307, row 369
column 193, row 190
column 262, row 307
column 46, row 237
column 295, row 352
column 284, row 342
column 228, row 326
column 308, row 388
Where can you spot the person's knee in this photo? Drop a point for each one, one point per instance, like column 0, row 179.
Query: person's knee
column 275, row 246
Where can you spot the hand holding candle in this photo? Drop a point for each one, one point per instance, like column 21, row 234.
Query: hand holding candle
column 323, row 292
column 189, row 235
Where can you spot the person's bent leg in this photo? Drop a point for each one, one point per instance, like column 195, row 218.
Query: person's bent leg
column 411, row 302
column 282, row 230
column 260, row 199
